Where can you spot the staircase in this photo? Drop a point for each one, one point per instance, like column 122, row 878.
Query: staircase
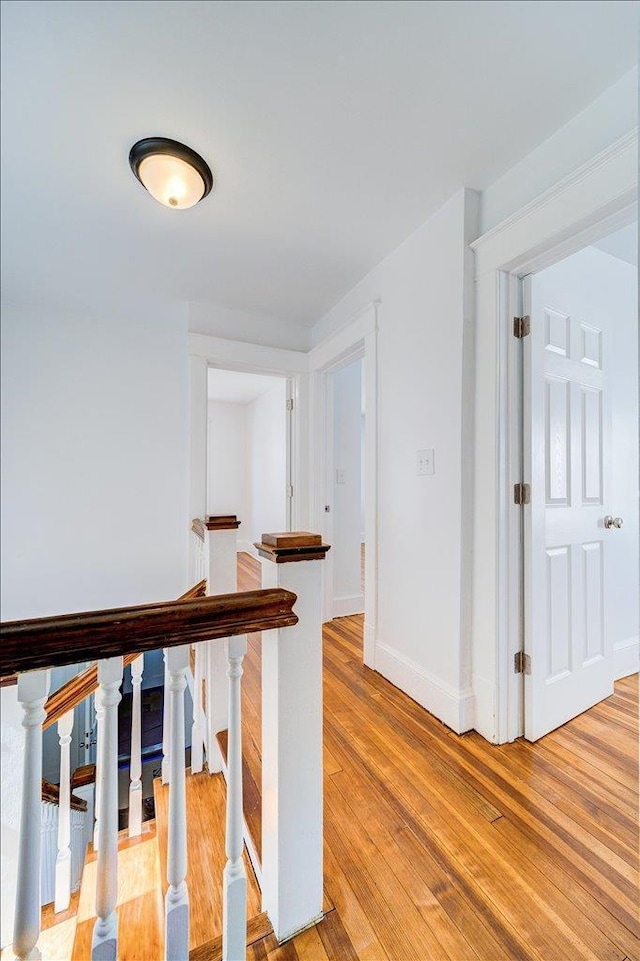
column 182, row 886
column 142, row 866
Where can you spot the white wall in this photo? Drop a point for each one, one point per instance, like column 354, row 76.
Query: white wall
column 94, row 460
column 226, row 452
column 347, row 495
column 266, row 463
column 247, row 463
column 423, row 347
column 94, row 477
column 610, row 116
column 607, row 286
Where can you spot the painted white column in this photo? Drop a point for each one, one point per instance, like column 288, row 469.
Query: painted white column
column 97, row 701
column 105, row 932
column 63, row 860
column 176, row 932
column 33, row 688
column 234, row 893
column 198, row 727
column 222, row 548
column 166, row 726
column 135, row 770
column 292, row 866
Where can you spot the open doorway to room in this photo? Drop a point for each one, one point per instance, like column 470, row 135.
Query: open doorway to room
column 580, row 454
column 249, row 452
column 345, row 489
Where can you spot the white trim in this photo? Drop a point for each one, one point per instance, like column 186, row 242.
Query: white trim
column 620, row 154
column 237, row 355
column 454, row 708
column 345, row 606
column 246, row 547
column 358, row 338
column 598, row 197
column 626, row 657
column 205, row 352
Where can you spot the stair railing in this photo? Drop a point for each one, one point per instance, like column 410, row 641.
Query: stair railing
column 30, row 648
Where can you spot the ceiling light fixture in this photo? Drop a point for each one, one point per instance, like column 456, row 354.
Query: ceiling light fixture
column 173, row 173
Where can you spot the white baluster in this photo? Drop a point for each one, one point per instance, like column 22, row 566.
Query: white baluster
column 105, row 932
column 176, row 936
column 32, row 693
column 135, row 771
column 97, row 703
column 198, row 726
column 63, row 860
column 234, row 898
column 166, row 727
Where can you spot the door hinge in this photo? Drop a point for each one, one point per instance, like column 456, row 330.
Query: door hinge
column 289, row 403
column 289, row 490
column 521, row 326
column 521, row 663
column 521, row 494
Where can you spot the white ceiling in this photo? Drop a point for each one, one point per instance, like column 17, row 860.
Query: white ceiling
column 334, row 128
column 237, row 387
column 623, row 244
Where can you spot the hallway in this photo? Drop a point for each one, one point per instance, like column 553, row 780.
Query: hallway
column 439, row 846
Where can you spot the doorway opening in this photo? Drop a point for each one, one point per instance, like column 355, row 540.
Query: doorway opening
column 580, row 456
column 249, row 437
column 346, row 452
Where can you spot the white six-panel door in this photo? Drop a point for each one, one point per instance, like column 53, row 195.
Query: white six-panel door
column 567, row 437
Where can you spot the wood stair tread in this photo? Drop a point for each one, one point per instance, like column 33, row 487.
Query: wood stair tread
column 206, row 857
column 139, row 903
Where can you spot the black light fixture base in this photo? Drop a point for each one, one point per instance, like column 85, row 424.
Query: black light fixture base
column 173, row 148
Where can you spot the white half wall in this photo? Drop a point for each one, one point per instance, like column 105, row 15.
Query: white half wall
column 347, row 490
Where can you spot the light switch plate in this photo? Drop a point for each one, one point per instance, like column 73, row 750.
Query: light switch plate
column 426, row 462
column 341, row 476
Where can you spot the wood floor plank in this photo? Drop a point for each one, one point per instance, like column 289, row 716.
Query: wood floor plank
column 444, row 847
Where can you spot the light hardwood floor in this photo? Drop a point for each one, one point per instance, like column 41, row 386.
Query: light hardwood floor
column 445, row 847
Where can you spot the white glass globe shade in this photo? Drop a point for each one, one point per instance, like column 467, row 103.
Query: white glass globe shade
column 171, row 181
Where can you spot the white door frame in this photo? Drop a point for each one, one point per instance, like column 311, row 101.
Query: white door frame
column 205, row 352
column 358, row 339
column 596, row 199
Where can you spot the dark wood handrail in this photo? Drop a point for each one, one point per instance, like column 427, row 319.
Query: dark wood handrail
column 84, row 684
column 70, row 638
column 51, row 793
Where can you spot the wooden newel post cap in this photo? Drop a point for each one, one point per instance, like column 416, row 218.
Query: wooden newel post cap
column 222, row 522
column 292, row 546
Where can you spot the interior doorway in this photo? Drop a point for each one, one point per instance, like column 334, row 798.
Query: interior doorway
column 346, row 453
column 249, row 462
column 580, row 456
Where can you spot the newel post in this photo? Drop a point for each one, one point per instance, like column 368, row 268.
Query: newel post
column 292, row 868
column 222, row 546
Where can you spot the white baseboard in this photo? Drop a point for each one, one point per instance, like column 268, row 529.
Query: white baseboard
column 454, row 708
column 626, row 657
column 344, row 606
